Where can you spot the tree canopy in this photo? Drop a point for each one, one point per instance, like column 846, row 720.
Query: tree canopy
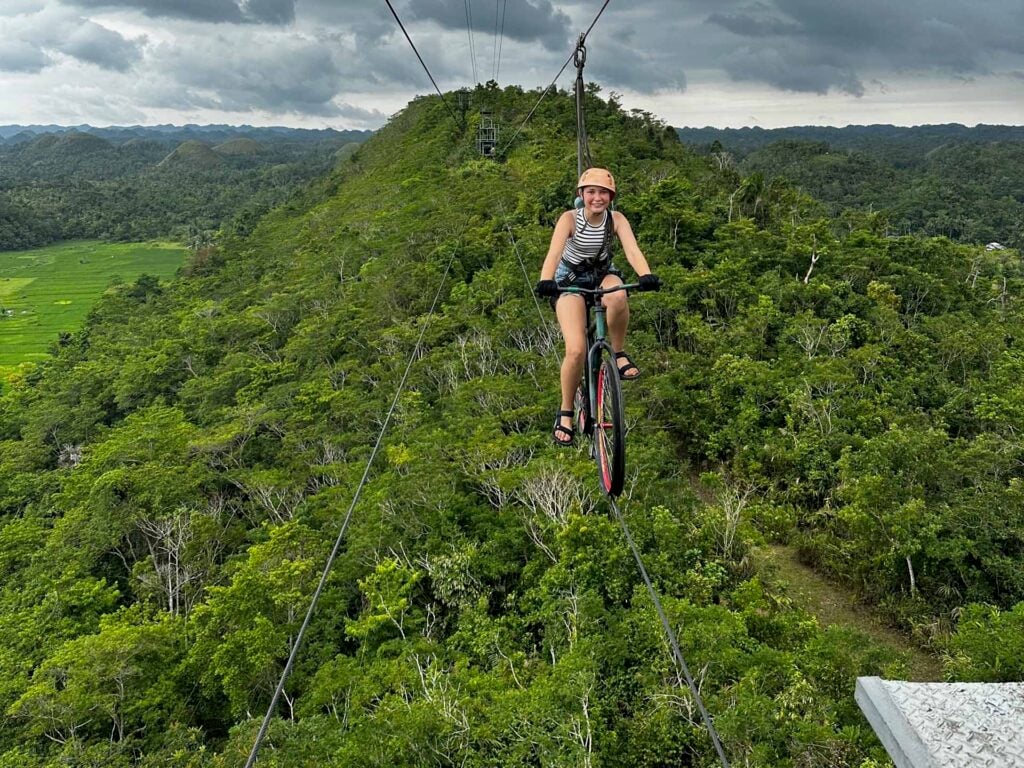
column 172, row 480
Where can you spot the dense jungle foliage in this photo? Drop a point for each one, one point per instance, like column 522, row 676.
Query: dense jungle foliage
column 139, row 184
column 950, row 180
column 172, row 481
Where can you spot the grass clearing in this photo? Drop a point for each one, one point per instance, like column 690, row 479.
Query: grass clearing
column 832, row 604
column 45, row 291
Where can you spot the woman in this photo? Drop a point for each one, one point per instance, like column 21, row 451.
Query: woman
column 580, row 255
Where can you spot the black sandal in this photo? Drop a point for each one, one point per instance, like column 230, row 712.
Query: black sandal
column 563, row 429
column 628, row 366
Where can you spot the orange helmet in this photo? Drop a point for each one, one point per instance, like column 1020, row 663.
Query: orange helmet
column 596, row 177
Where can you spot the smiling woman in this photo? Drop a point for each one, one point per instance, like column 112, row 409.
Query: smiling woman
column 46, row 291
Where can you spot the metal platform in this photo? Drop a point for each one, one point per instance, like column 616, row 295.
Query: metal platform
column 946, row 725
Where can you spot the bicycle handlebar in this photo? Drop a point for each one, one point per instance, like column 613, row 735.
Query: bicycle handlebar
column 598, row 291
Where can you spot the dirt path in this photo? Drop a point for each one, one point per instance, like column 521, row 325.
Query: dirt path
column 832, row 604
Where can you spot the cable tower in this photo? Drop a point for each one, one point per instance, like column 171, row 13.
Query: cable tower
column 487, row 134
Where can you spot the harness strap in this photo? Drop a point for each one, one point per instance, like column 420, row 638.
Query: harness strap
column 604, row 258
column 609, row 234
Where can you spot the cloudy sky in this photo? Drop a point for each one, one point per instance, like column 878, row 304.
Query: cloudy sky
column 346, row 63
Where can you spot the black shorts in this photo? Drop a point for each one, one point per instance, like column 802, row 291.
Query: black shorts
column 566, row 275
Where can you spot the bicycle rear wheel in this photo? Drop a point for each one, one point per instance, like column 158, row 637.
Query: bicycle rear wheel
column 609, row 430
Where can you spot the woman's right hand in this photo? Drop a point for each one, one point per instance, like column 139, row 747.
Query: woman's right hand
column 547, row 288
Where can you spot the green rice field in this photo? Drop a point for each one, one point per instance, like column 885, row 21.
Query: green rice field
column 48, row 290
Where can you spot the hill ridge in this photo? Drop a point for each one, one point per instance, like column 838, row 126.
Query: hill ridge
column 188, row 457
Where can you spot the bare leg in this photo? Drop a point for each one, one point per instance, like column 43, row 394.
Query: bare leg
column 571, row 312
column 618, row 313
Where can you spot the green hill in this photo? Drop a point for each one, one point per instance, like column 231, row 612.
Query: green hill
column 172, row 481
column 69, row 144
column 951, row 180
column 240, row 147
column 193, row 154
column 131, row 187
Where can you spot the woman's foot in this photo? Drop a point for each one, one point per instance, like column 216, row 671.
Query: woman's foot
column 563, row 432
column 627, row 371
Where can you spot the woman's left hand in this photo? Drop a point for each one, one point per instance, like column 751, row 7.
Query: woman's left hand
column 650, row 282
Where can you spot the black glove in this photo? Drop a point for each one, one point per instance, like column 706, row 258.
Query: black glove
column 547, row 288
column 649, row 282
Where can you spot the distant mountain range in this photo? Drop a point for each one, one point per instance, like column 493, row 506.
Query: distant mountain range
column 742, row 141
column 16, row 134
column 966, row 183
column 142, row 182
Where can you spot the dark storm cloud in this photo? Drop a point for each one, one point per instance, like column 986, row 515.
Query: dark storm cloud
column 808, row 45
column 34, row 41
column 100, row 46
column 756, row 22
column 637, row 47
column 361, row 115
column 330, row 57
column 368, row 22
column 270, row 11
column 236, row 11
column 19, row 56
column 809, row 70
column 525, row 20
column 622, row 62
column 280, row 74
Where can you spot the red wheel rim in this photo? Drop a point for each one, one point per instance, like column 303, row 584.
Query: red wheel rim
column 599, row 434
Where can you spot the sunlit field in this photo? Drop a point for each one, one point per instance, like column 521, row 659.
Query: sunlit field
column 48, row 290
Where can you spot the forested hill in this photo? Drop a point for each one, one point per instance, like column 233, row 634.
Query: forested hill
column 172, row 480
column 17, row 134
column 139, row 183
column 964, row 183
column 902, row 143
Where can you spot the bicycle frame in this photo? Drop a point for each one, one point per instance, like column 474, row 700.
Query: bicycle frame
column 597, row 332
column 600, row 390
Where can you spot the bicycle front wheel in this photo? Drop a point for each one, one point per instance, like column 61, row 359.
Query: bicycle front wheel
column 609, row 430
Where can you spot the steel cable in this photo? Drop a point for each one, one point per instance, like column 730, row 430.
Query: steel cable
column 472, row 44
column 500, row 35
column 344, row 527
column 545, row 323
column 677, row 655
column 582, row 40
column 682, row 669
column 443, row 100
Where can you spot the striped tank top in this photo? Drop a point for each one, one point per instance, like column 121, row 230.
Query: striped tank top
column 585, row 246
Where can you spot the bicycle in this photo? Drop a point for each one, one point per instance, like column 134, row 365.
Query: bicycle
column 600, row 393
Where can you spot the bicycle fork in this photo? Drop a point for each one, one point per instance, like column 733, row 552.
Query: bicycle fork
column 597, row 342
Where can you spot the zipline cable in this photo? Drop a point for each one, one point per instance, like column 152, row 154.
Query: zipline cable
column 583, row 159
column 501, row 39
column 472, row 45
column 677, row 655
column 545, row 323
column 344, row 526
column 682, row 669
column 494, row 47
column 583, row 37
column 582, row 40
column 545, row 93
column 443, row 100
